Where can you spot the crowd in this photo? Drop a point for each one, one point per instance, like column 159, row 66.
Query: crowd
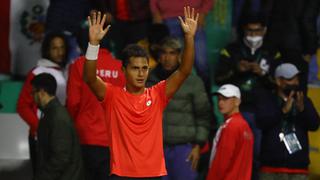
column 137, row 104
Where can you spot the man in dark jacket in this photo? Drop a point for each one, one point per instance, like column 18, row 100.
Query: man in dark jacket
column 59, row 155
column 187, row 117
column 285, row 116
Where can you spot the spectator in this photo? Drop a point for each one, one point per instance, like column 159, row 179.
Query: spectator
column 89, row 116
column 59, row 155
column 231, row 155
column 135, row 112
column 285, row 116
column 167, row 11
column 187, row 117
column 67, row 16
column 54, row 49
column 247, row 63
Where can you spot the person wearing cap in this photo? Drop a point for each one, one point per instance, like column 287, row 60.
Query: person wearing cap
column 285, row 117
column 247, row 63
column 186, row 119
column 231, row 155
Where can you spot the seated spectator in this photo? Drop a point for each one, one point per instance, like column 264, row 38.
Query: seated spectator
column 285, row 117
column 54, row 57
column 187, row 117
column 231, row 154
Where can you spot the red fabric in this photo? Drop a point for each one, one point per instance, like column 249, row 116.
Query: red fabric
column 82, row 104
column 122, row 10
column 136, row 130
column 174, row 8
column 284, row 170
column 234, row 154
column 26, row 107
column 4, row 37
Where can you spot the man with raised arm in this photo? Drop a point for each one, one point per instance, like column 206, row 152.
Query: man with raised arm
column 135, row 112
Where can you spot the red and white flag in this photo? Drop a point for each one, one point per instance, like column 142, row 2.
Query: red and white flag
column 22, row 29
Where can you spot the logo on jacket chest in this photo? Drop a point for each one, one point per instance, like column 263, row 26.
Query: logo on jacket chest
column 107, row 73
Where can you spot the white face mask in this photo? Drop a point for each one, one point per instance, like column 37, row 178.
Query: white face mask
column 254, row 41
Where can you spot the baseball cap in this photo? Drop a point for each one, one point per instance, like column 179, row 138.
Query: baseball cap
column 286, row 70
column 229, row 90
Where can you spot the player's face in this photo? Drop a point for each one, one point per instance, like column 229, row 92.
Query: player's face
column 137, row 72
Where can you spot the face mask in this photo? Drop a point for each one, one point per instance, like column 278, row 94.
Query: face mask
column 288, row 88
column 254, row 41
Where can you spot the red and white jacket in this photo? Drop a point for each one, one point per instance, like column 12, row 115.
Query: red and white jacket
column 26, row 107
column 82, row 104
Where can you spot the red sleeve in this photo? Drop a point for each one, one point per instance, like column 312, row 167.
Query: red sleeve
column 108, row 95
column 161, row 90
column 224, row 155
column 26, row 107
column 74, row 88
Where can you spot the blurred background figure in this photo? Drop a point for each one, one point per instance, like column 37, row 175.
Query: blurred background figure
column 167, row 12
column 58, row 149
column 285, row 116
column 187, row 117
column 248, row 64
column 54, row 51
column 232, row 148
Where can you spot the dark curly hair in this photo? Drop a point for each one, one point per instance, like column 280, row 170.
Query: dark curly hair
column 132, row 50
column 45, row 48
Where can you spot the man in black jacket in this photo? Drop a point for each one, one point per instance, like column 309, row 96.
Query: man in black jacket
column 285, row 116
column 58, row 147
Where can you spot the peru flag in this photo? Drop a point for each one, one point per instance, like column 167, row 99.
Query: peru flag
column 21, row 33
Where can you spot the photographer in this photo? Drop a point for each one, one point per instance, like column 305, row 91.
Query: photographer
column 285, row 117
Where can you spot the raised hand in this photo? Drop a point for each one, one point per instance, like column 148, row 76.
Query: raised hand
column 96, row 31
column 189, row 24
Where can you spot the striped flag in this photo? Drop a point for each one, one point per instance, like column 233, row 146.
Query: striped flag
column 22, row 29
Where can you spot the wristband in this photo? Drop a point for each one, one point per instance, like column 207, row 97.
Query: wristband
column 92, row 52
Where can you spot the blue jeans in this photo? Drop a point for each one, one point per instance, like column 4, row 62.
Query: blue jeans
column 201, row 59
column 176, row 162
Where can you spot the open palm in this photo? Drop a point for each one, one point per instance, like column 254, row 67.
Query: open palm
column 96, row 31
column 189, row 24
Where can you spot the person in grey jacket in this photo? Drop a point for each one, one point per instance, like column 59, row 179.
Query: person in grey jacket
column 58, row 148
column 187, row 117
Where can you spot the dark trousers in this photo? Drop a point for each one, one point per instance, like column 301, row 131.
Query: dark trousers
column 33, row 153
column 96, row 160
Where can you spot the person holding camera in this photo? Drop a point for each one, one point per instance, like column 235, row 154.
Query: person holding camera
column 285, row 117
